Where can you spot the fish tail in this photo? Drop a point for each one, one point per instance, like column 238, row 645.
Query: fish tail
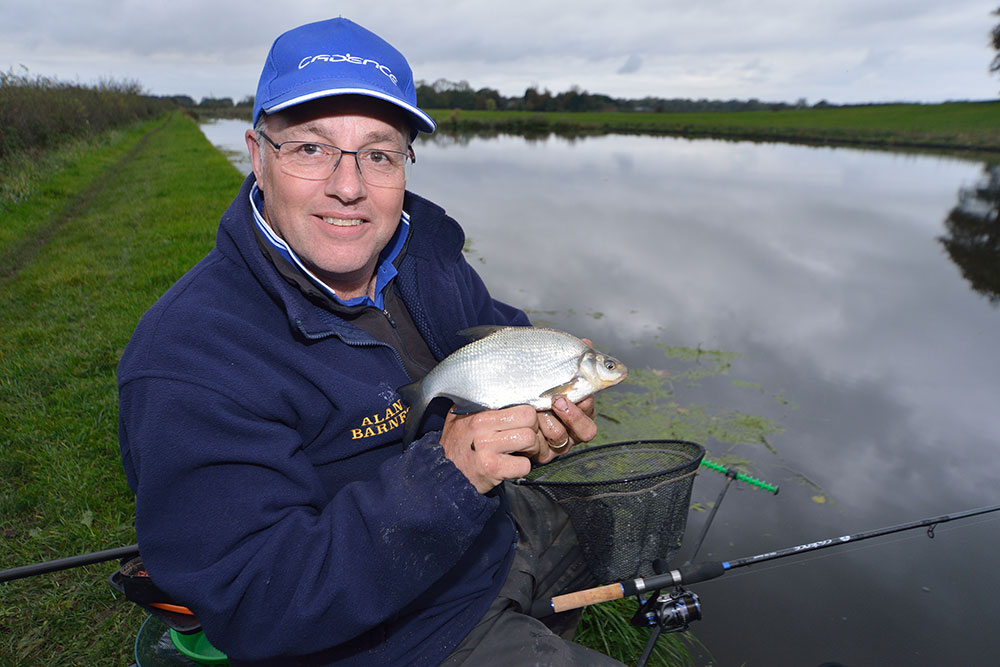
column 413, row 395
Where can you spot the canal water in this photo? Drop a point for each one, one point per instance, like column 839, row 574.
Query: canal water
column 844, row 307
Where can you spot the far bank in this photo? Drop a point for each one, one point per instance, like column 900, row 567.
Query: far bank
column 958, row 126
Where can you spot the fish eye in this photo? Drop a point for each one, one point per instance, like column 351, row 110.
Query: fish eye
column 609, row 364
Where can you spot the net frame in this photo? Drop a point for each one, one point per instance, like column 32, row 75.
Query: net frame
column 624, row 523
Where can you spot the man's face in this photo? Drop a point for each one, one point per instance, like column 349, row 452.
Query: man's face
column 339, row 226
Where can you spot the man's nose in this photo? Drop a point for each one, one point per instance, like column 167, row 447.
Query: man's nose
column 346, row 182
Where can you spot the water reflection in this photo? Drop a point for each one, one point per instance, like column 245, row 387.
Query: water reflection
column 821, row 270
column 446, row 137
column 973, row 238
column 226, row 134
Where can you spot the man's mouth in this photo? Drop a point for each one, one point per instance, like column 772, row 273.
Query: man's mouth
column 343, row 222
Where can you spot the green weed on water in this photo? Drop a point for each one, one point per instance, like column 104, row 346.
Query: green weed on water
column 650, row 404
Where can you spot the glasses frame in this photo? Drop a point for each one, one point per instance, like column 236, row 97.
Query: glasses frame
column 409, row 155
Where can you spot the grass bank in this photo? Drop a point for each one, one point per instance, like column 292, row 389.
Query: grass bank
column 959, row 126
column 83, row 256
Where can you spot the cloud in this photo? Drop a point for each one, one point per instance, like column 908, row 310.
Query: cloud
column 771, row 49
column 631, row 65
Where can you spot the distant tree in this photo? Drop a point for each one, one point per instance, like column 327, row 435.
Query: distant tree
column 995, row 65
column 426, row 96
column 488, row 99
column 535, row 101
column 445, row 94
column 532, row 100
column 183, row 100
column 216, row 102
column 973, row 234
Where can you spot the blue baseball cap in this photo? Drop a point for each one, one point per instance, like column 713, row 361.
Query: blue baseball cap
column 336, row 57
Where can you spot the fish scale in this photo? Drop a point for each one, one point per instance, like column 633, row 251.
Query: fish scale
column 500, row 372
column 508, row 366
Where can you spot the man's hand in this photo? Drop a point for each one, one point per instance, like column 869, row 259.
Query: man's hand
column 491, row 446
column 567, row 424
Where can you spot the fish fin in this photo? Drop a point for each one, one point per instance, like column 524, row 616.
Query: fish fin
column 466, row 407
column 413, row 395
column 559, row 389
column 482, row 331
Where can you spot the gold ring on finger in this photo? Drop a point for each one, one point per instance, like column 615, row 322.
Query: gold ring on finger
column 561, row 446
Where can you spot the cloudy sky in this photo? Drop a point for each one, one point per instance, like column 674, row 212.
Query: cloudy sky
column 774, row 50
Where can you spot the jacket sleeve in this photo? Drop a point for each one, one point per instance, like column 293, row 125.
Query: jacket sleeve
column 233, row 520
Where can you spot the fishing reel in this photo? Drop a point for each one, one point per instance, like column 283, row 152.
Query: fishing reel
column 671, row 612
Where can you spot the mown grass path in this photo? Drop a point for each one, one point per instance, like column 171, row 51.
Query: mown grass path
column 81, row 260
column 43, row 223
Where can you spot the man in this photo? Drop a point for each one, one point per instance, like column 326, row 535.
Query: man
column 261, row 429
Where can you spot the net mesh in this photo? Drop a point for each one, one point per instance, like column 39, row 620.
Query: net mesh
column 628, row 501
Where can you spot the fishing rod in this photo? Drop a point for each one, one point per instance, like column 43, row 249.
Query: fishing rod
column 704, row 571
column 67, row 563
column 675, row 610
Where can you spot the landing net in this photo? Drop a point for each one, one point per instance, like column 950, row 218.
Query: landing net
column 628, row 501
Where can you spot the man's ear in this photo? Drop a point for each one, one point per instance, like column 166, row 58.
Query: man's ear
column 256, row 159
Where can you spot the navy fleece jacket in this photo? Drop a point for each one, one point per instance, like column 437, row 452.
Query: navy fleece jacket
column 261, row 435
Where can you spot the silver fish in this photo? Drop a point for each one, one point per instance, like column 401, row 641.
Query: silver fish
column 506, row 366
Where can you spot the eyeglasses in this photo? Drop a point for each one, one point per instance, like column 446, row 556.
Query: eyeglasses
column 316, row 162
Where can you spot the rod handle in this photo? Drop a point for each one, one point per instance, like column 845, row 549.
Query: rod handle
column 587, row 597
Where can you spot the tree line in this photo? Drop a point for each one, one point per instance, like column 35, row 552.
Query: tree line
column 444, row 94
column 210, row 102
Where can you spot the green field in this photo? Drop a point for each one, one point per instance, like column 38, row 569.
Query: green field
column 959, row 126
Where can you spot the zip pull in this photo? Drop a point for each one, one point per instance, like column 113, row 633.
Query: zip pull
column 392, row 322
